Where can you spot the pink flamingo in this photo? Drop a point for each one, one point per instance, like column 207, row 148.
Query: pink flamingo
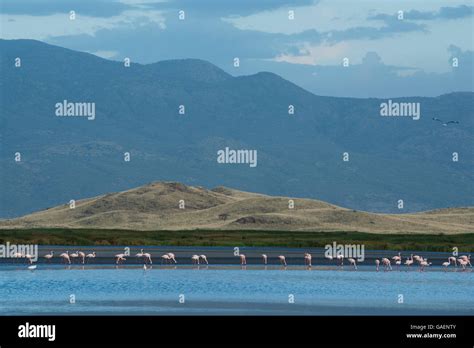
column 386, row 263
column 424, row 264
column 49, row 256
column 340, row 258
column 307, row 259
column 65, row 257
column 446, row 265
column 90, row 256
column 195, row 259
column 467, row 259
column 243, row 259
column 147, row 258
column 120, row 258
column 398, row 263
column 396, row 258
column 140, row 254
column 377, row 264
column 352, row 262
column 29, row 258
column 264, row 256
column 82, row 256
column 172, row 257
column 409, row 261
column 204, row 258
column 165, row 258
column 330, row 258
column 17, row 255
column 282, row 260
column 74, row 256
column 463, row 263
column 453, row 259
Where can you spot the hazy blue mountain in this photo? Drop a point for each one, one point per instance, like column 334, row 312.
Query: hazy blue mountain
column 67, row 158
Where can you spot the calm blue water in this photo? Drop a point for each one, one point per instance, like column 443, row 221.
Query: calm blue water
column 231, row 290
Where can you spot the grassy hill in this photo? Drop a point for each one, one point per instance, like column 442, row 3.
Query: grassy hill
column 156, row 206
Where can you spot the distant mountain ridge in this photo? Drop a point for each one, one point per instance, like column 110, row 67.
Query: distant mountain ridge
column 299, row 155
column 174, row 206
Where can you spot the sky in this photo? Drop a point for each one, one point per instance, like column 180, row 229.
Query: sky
column 389, row 53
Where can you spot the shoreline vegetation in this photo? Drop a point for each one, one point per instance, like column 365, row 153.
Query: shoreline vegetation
column 294, row 239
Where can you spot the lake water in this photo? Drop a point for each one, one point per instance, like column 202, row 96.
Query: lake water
column 231, row 290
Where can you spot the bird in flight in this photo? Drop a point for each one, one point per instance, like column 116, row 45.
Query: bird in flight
column 444, row 123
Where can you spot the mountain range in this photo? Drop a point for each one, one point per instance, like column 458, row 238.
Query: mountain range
column 299, row 155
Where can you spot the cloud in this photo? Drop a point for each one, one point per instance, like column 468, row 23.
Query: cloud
column 106, row 54
column 372, row 77
column 91, row 8
column 226, row 7
column 46, row 28
column 392, row 28
column 459, row 12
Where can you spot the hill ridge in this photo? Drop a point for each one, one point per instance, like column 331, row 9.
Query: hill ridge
column 172, row 205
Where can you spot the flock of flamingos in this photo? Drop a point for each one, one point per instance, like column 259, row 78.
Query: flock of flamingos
column 169, row 258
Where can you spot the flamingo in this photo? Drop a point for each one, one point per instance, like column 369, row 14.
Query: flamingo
column 386, row 263
column 120, row 258
column 172, row 257
column 82, row 256
column 340, row 258
column 147, row 258
column 446, row 265
column 165, row 258
column 398, row 263
column 398, row 257
column 65, row 257
column 409, row 261
column 329, row 257
column 377, row 264
column 29, row 258
column 463, row 263
column 74, row 256
column 49, row 256
column 90, row 256
column 352, row 262
column 424, row 264
column 17, row 255
column 243, row 260
column 307, row 259
column 453, row 259
column 264, row 259
column 467, row 259
column 204, row 258
column 195, row 259
column 282, row 260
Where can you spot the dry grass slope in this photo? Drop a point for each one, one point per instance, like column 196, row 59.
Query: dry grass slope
column 156, row 207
